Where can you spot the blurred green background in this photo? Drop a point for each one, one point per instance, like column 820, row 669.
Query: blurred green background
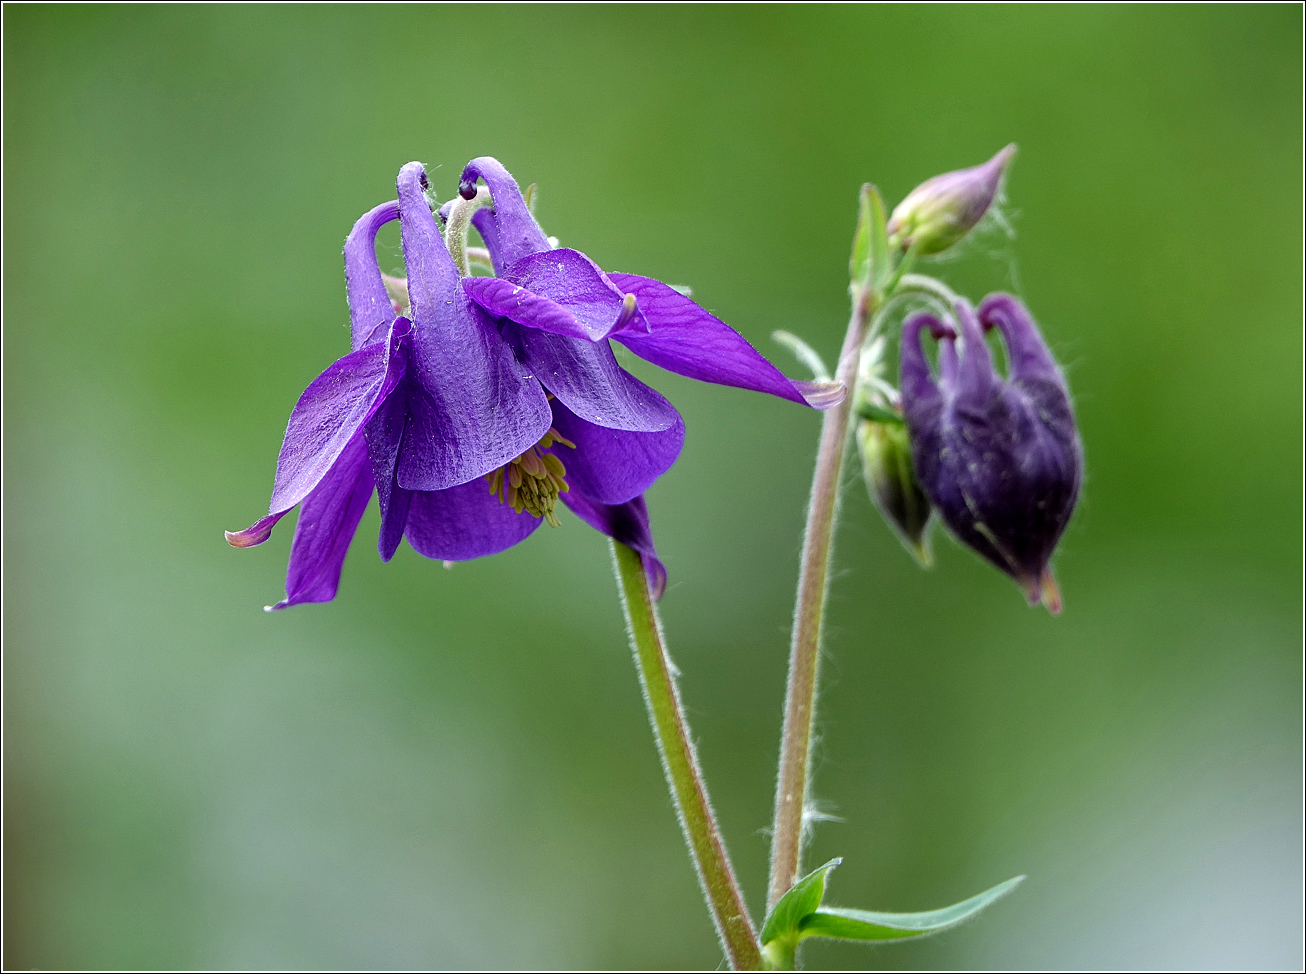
column 453, row 768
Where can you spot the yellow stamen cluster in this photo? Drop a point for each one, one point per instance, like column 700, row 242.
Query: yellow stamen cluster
column 533, row 481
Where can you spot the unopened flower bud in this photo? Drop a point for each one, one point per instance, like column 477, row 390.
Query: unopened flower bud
column 891, row 480
column 1000, row 460
column 942, row 210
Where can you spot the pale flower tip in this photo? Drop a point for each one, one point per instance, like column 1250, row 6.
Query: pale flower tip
column 1049, row 593
column 822, row 395
column 245, row 539
column 448, row 565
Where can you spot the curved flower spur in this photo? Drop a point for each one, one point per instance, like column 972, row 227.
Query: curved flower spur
column 469, row 422
column 1001, row 461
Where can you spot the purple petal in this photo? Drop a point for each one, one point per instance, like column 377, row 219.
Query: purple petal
column 975, row 374
column 332, row 409
column 612, row 466
column 516, row 231
column 629, row 524
column 512, row 301
column 483, row 221
column 473, row 407
column 385, row 434
column 465, row 522
column 685, row 339
column 1027, row 353
column 561, row 291
column 328, row 519
column 922, row 400
column 370, row 310
column 587, row 378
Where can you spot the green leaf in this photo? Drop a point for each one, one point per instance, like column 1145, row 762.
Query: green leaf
column 841, row 924
column 786, row 917
column 869, row 266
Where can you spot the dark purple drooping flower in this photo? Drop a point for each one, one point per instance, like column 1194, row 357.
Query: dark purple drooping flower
column 468, row 426
column 1000, row 459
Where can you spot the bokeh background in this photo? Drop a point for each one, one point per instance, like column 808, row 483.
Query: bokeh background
column 453, row 768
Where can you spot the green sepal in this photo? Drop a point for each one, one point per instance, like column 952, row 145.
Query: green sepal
column 784, row 922
column 870, row 266
column 879, row 414
column 841, row 924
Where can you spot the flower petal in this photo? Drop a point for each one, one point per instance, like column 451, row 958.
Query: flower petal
column 561, row 291
column 483, row 221
column 612, row 466
column 465, row 522
column 516, row 232
column 385, row 434
column 328, row 519
column 919, row 390
column 507, row 300
column 370, row 310
column 587, row 378
column 1027, row 353
column 975, row 373
column 473, row 407
column 629, row 524
column 333, row 408
column 686, row 339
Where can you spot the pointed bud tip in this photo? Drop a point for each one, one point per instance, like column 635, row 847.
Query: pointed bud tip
column 1049, row 592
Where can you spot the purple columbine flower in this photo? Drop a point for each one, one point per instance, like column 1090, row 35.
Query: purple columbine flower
column 1000, row 460
column 468, row 428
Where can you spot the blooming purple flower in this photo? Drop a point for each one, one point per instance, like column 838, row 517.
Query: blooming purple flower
column 1000, row 460
column 467, row 425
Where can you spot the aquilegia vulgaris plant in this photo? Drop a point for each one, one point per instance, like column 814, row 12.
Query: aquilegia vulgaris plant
column 472, row 404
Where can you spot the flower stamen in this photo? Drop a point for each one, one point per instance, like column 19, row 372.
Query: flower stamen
column 533, row 481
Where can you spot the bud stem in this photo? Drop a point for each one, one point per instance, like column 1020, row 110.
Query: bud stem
column 680, row 764
column 813, row 583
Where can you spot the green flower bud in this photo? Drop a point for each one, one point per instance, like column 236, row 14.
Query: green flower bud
column 891, row 480
column 942, row 210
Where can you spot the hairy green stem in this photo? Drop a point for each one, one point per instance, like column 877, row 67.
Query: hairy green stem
column 813, row 582
column 680, row 764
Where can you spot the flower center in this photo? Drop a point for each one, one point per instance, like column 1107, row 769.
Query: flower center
column 533, row 481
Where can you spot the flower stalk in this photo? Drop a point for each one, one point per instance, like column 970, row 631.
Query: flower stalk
column 809, row 614
column 680, row 763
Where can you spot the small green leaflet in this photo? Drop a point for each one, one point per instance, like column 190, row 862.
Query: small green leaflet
column 869, row 266
column 844, row 924
column 799, row 915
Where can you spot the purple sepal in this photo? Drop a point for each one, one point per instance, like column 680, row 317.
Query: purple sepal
column 629, row 524
column 370, row 311
column 465, row 522
column 685, row 339
column 1001, row 461
column 472, row 406
column 333, row 408
column 587, row 378
column 328, row 518
column 612, row 466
